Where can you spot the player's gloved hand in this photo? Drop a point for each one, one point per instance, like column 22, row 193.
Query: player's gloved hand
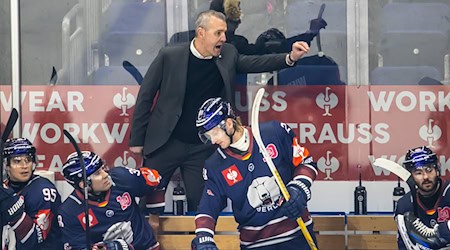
column 118, row 244
column 316, row 25
column 12, row 206
column 300, row 194
column 203, row 241
column 422, row 234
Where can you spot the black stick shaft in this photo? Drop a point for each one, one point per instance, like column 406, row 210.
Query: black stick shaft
column 85, row 187
column 319, row 44
column 130, row 68
column 13, row 117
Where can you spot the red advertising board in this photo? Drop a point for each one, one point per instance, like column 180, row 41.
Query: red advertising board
column 344, row 127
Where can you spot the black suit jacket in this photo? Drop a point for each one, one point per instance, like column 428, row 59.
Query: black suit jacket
column 168, row 74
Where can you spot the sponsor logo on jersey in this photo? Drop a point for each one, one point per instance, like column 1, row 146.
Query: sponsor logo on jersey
column 16, row 206
column 92, row 219
column 109, row 213
column 209, row 192
column 43, row 220
column 299, row 153
column 151, row 176
column 124, row 200
column 205, row 174
column 251, row 167
column 232, row 175
column 263, row 194
column 443, row 214
column 39, row 235
column 60, row 221
column 272, row 151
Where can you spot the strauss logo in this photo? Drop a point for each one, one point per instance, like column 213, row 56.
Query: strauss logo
column 125, row 161
column 124, row 101
column 232, row 175
column 327, row 101
column 328, row 165
column 430, row 132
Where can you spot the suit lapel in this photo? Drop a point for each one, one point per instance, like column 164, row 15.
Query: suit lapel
column 181, row 71
column 225, row 76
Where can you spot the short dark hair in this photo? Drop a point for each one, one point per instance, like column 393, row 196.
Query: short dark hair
column 203, row 18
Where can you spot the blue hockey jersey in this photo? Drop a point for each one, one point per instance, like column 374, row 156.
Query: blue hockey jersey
column 39, row 228
column 248, row 182
column 439, row 213
column 117, row 216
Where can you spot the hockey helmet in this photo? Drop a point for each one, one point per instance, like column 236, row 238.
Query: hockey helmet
column 420, row 157
column 211, row 114
column 18, row 147
column 272, row 34
column 73, row 171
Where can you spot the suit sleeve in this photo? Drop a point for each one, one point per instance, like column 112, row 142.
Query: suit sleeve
column 211, row 204
column 147, row 92
column 261, row 63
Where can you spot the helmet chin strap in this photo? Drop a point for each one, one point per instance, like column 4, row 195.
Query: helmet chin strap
column 234, row 131
column 89, row 184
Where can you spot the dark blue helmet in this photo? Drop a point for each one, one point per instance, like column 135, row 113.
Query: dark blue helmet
column 420, row 157
column 211, row 114
column 72, row 170
column 272, row 34
column 18, row 147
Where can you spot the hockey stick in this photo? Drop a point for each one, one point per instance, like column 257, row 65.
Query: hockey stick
column 273, row 169
column 13, row 117
column 401, row 172
column 319, row 44
column 406, row 176
column 54, row 77
column 130, row 68
column 85, row 186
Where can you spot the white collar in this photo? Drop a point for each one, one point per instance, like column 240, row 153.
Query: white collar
column 243, row 143
column 196, row 53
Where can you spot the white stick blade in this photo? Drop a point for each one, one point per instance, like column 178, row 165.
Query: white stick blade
column 255, row 114
column 392, row 166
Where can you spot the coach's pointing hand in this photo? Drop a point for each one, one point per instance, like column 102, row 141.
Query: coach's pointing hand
column 299, row 49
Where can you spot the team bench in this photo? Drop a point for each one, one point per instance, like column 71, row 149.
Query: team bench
column 333, row 232
column 371, row 232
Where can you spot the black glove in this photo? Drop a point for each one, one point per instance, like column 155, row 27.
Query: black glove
column 113, row 245
column 421, row 234
column 300, row 194
column 316, row 25
column 203, row 241
column 12, row 206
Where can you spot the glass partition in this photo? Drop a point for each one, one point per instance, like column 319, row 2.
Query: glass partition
column 409, row 42
column 5, row 43
column 100, row 50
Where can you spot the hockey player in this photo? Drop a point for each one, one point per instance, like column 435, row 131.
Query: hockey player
column 28, row 202
column 431, row 228
column 238, row 171
column 116, row 221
